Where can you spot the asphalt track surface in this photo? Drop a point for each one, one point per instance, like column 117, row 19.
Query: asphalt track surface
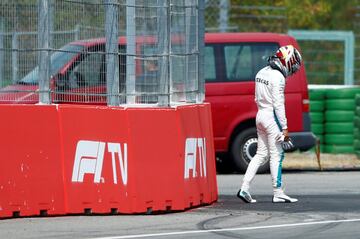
column 328, row 207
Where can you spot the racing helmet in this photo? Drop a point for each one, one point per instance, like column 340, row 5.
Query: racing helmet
column 287, row 59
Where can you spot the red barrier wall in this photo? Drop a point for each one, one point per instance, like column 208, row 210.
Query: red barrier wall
column 102, row 160
column 195, row 121
column 31, row 167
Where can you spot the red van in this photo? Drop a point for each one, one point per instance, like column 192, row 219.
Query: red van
column 231, row 62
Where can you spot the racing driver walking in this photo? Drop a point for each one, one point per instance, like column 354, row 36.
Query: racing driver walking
column 271, row 123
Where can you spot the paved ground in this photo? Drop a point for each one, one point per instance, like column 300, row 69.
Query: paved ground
column 329, row 207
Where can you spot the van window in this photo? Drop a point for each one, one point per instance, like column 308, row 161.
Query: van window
column 243, row 61
column 88, row 72
column 58, row 60
column 209, row 64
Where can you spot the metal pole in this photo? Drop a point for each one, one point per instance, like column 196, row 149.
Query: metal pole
column 112, row 51
column 2, row 35
column 44, row 56
column 168, row 52
column 201, row 47
column 189, row 41
column 187, row 74
column 14, row 57
column 192, row 59
column 77, row 32
column 51, row 23
column 349, row 58
column 130, row 51
column 223, row 15
column 164, row 48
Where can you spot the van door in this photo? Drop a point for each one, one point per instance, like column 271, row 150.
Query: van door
column 231, row 95
column 230, row 69
column 85, row 81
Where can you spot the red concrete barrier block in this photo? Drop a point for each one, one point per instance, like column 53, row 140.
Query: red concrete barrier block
column 31, row 168
column 137, row 160
column 97, row 161
column 199, row 159
column 157, row 159
column 71, row 159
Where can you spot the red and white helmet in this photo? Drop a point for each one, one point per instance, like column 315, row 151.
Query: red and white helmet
column 289, row 58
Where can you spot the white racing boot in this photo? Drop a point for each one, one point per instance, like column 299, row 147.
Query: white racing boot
column 245, row 196
column 281, row 197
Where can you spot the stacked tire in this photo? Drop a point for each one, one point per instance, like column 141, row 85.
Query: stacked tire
column 339, row 120
column 357, row 126
column 317, row 106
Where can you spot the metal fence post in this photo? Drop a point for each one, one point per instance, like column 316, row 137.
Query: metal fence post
column 190, row 50
column 77, row 32
column 349, row 58
column 201, row 48
column 14, row 57
column 51, row 24
column 112, row 50
column 44, row 56
column 223, row 15
column 164, row 50
column 2, row 52
column 130, row 51
column 187, row 20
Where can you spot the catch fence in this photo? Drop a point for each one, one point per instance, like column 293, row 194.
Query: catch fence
column 112, row 52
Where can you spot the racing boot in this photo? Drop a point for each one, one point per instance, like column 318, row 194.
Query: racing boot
column 245, row 196
column 281, row 197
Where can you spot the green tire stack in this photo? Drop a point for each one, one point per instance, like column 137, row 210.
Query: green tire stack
column 357, row 126
column 339, row 120
column 317, row 106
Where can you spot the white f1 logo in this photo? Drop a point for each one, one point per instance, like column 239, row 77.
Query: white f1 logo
column 192, row 146
column 89, row 159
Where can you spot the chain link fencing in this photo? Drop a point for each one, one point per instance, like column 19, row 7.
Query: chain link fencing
column 324, row 60
column 159, row 65
column 110, row 52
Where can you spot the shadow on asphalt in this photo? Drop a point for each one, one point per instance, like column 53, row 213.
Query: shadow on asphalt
column 349, row 203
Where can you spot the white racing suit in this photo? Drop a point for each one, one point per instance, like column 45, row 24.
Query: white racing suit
column 270, row 121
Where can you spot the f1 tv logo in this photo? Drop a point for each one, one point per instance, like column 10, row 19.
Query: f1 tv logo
column 89, row 159
column 195, row 150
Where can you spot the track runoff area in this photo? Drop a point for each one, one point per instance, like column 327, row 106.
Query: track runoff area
column 328, row 207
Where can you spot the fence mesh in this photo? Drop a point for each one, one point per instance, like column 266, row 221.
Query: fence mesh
column 158, row 64
column 100, row 51
column 325, row 64
column 324, row 60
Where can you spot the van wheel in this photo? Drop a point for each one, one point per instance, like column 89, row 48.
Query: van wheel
column 243, row 149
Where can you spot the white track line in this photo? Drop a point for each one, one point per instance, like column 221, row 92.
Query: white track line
column 229, row 229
